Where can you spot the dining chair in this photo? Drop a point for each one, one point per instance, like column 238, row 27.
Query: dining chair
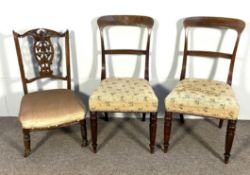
column 203, row 97
column 47, row 109
column 117, row 94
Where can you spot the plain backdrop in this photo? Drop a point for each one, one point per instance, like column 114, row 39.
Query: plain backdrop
column 79, row 17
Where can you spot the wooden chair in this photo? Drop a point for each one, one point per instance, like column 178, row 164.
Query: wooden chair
column 208, row 98
column 124, row 94
column 47, row 109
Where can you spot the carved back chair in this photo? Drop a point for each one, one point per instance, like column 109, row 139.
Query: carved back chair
column 208, row 98
column 115, row 98
column 47, row 109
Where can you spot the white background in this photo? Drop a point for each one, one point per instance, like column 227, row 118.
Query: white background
column 166, row 47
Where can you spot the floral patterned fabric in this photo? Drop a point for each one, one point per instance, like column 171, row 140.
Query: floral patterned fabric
column 203, row 97
column 124, row 95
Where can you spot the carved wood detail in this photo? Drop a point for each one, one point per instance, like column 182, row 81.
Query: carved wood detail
column 43, row 51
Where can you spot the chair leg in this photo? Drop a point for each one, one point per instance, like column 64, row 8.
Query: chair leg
column 106, row 117
column 93, row 122
column 152, row 130
column 143, row 117
column 181, row 118
column 231, row 126
column 221, row 123
column 26, row 139
column 167, row 129
column 84, row 132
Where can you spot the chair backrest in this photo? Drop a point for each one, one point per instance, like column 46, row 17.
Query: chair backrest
column 125, row 20
column 43, row 52
column 212, row 22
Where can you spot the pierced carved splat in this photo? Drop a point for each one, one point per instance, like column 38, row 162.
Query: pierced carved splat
column 43, row 51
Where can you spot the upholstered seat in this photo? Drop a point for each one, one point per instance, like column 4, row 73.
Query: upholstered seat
column 203, row 97
column 124, row 95
column 47, row 109
column 207, row 98
column 50, row 108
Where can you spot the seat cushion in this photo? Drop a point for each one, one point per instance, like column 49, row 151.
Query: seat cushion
column 203, row 97
column 124, row 95
column 50, row 108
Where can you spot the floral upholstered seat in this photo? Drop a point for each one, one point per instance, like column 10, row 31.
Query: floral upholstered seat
column 203, row 97
column 124, row 95
column 207, row 98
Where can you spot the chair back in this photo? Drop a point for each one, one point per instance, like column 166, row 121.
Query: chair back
column 43, row 52
column 212, row 22
column 125, row 20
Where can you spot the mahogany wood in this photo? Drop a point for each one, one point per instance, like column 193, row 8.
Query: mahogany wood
column 220, row 123
column 93, row 124
column 84, row 132
column 209, row 22
column 124, row 20
column 231, row 126
column 152, row 130
column 43, row 53
column 212, row 22
column 106, row 117
column 26, row 139
column 208, row 54
column 125, row 51
column 143, row 117
column 182, row 118
column 167, row 129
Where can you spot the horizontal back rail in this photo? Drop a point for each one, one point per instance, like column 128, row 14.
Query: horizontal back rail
column 125, row 20
column 209, row 54
column 217, row 23
column 231, row 23
column 125, row 51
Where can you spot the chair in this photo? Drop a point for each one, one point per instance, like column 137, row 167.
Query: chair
column 124, row 94
column 201, row 97
column 47, row 109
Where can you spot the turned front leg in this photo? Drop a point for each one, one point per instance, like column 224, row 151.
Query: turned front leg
column 93, row 121
column 167, row 129
column 231, row 126
column 26, row 139
column 152, row 132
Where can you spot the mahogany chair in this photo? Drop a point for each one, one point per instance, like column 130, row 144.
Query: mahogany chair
column 201, row 97
column 47, row 109
column 124, row 94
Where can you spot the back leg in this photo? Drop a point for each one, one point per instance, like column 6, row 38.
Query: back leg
column 106, row 117
column 181, row 118
column 143, row 117
column 84, row 132
column 221, row 123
